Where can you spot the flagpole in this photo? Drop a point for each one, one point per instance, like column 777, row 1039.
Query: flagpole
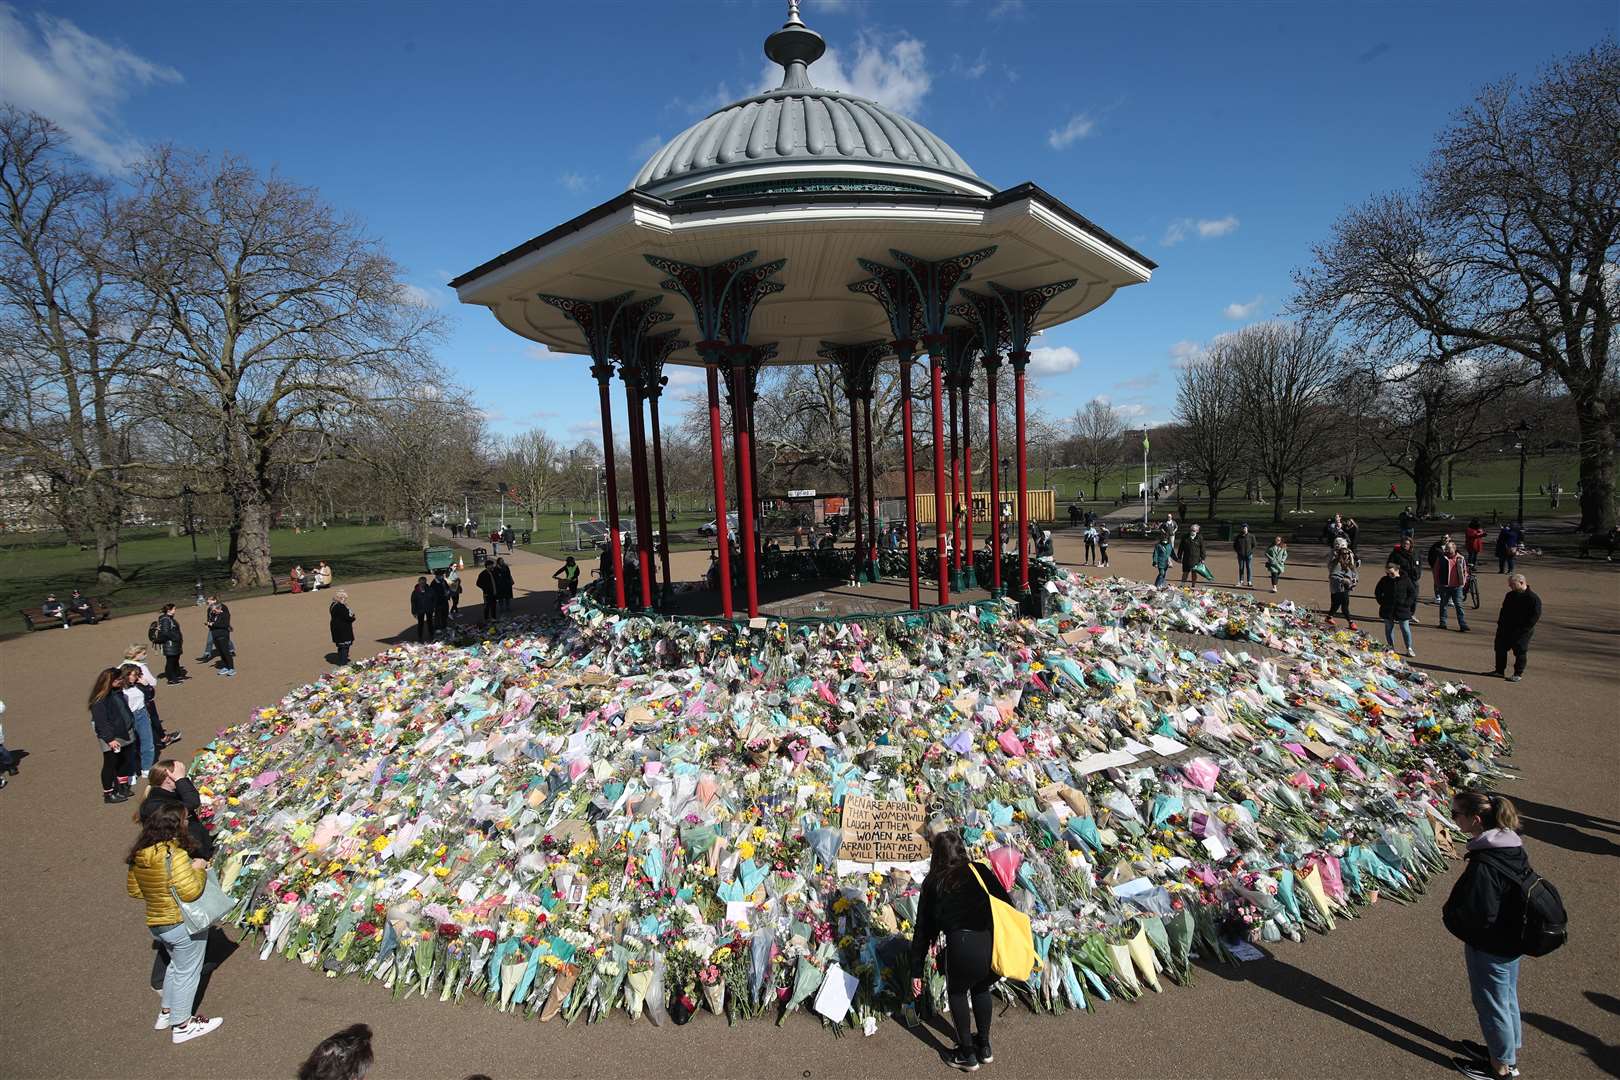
column 1144, row 479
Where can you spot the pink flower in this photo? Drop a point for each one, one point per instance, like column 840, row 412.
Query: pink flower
column 289, row 897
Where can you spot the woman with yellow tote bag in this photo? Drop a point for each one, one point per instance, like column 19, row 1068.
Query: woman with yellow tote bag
column 957, row 900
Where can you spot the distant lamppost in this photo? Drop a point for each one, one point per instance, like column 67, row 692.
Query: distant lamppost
column 1006, row 464
column 1523, row 431
column 200, row 599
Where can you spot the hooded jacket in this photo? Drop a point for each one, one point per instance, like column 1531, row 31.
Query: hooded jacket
column 184, row 794
column 1161, row 554
column 1397, row 598
column 150, row 877
column 1485, row 905
column 342, row 623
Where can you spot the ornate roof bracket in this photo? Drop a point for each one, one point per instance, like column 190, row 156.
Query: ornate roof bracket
column 1022, row 306
column 595, row 320
column 857, row 364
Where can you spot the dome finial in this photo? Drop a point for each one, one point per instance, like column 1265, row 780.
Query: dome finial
column 795, row 47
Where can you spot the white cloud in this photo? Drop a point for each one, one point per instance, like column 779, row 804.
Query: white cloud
column 1008, row 9
column 1244, row 311
column 971, row 69
column 830, row 6
column 537, row 351
column 76, row 79
column 1131, row 412
column 1184, row 354
column 1050, row 360
column 646, row 148
column 1203, row 228
column 893, row 73
column 1079, row 126
column 416, row 296
column 683, row 375
column 574, row 181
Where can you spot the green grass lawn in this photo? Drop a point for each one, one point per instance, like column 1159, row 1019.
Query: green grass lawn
column 158, row 567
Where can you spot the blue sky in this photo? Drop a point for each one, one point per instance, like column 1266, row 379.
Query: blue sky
column 1221, row 139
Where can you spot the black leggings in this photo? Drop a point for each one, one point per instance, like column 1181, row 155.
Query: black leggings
column 171, row 667
column 968, row 976
column 1338, row 601
column 116, row 765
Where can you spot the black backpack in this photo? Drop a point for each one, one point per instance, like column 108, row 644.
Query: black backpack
column 152, row 634
column 1540, row 924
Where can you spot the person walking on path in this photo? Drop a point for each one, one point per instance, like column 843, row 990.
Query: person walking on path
column 1474, row 544
column 1352, row 533
column 1161, row 560
column 115, row 732
column 1277, row 560
column 1191, row 555
column 1397, row 600
column 504, row 584
column 1480, row 912
column 1450, row 579
column 1521, row 610
column 342, row 620
column 422, row 605
column 1341, row 581
column 509, row 538
column 1508, row 542
column 163, row 871
column 955, row 901
column 172, row 642
column 1243, row 546
column 1407, row 521
column 219, row 637
column 1436, row 550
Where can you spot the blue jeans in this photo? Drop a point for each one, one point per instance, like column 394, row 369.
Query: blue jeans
column 1493, row 983
column 143, row 736
column 1245, row 568
column 1406, row 632
column 1164, row 572
column 1451, row 594
column 186, row 953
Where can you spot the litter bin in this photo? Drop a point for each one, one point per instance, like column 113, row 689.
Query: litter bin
column 1226, row 530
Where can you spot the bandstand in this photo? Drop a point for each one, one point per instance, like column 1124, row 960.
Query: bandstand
column 810, row 226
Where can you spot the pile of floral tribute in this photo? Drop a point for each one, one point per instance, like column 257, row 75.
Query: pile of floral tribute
column 610, row 812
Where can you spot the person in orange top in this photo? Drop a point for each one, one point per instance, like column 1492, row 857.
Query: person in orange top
column 163, row 870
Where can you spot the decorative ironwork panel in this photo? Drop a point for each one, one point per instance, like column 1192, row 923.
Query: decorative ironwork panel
column 1023, row 305
column 936, row 279
column 593, row 317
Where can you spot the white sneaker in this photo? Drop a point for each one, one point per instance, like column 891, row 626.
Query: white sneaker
column 165, row 1020
column 194, row 1028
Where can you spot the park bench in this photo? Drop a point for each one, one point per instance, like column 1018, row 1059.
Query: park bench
column 36, row 619
column 282, row 583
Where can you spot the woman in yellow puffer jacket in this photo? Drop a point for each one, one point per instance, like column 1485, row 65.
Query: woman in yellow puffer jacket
column 161, row 868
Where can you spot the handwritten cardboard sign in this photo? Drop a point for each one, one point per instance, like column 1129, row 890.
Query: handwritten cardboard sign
column 876, row 830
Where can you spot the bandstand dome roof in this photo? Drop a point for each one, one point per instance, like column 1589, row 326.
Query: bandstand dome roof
column 801, row 137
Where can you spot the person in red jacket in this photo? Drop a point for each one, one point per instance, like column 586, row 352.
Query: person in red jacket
column 1474, row 543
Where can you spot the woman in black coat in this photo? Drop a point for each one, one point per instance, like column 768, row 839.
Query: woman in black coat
column 955, row 901
column 503, row 584
column 168, row 784
column 1397, row 603
column 422, row 607
column 342, row 625
column 172, row 642
column 115, row 730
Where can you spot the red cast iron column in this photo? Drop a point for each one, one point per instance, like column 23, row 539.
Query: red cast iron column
column 639, row 491
column 745, row 476
column 940, row 487
column 970, row 575
column 991, row 363
column 1019, row 360
column 869, row 556
column 717, row 460
column 904, row 350
column 604, row 375
column 658, row 475
column 956, row 490
column 855, row 483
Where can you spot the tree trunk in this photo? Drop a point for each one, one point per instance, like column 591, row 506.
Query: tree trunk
column 250, row 545
column 1596, row 463
column 1211, row 515
column 1277, row 503
column 1425, row 483
column 1451, row 479
column 1350, row 484
column 1299, row 492
column 1096, row 485
column 107, row 554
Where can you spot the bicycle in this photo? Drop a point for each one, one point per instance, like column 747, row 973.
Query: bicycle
column 1471, row 591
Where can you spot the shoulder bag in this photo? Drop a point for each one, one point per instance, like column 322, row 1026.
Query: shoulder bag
column 1012, row 946
column 205, row 911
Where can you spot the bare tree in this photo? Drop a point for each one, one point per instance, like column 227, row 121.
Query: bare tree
column 421, row 449
column 1509, row 244
column 274, row 316
column 1207, row 439
column 533, row 466
column 1097, row 432
column 1282, row 375
column 68, row 334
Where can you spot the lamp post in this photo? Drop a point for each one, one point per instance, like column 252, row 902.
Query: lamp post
column 1006, row 465
column 200, row 599
column 1144, row 480
column 1523, row 431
